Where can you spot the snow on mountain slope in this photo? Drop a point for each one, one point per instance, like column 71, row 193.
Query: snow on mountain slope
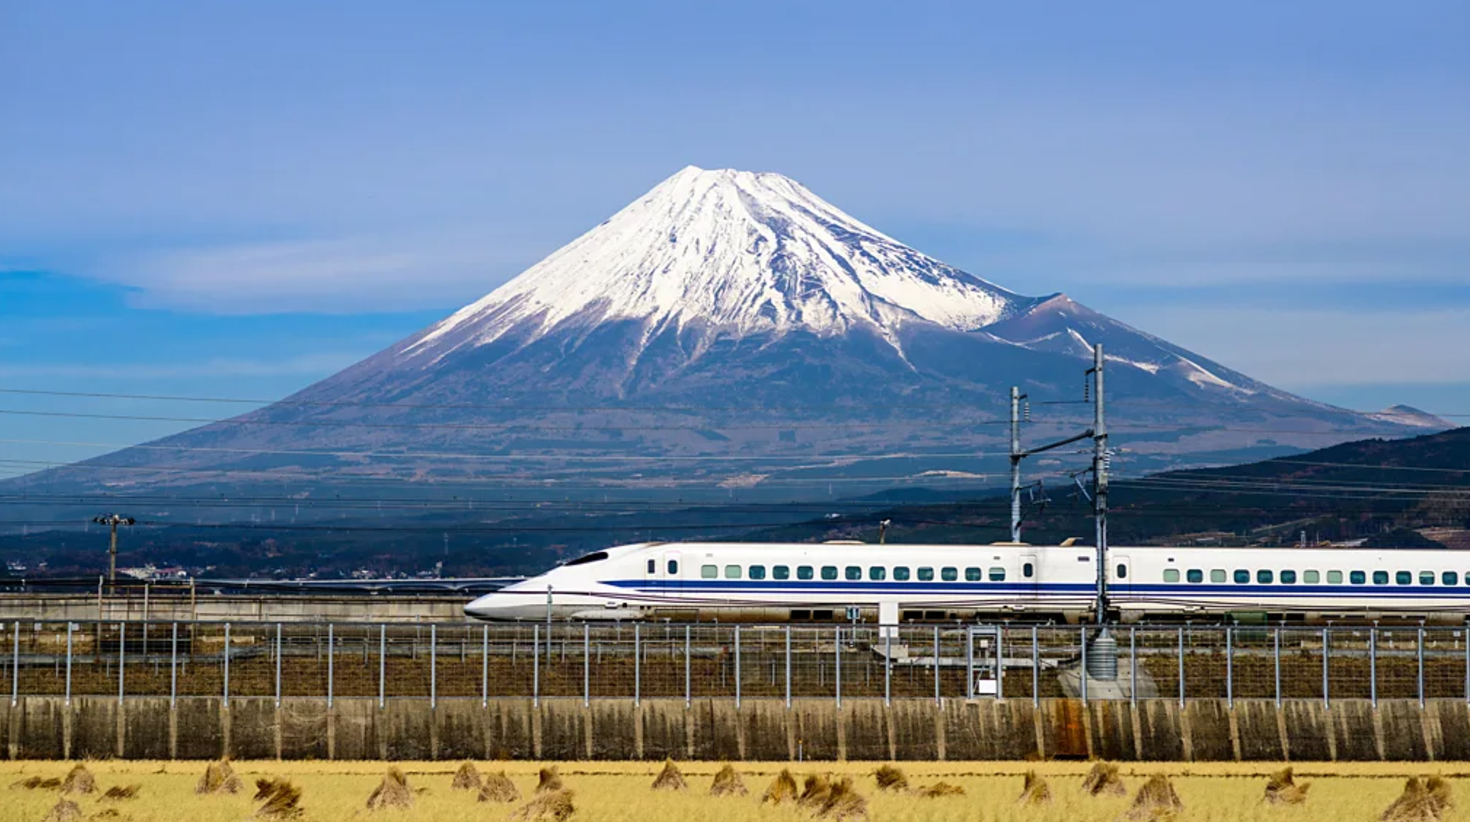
column 735, row 252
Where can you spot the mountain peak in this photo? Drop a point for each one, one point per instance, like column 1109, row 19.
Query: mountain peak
column 730, row 253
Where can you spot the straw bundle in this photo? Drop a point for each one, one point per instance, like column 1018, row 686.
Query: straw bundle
column 497, row 787
column 550, row 780
column 843, row 803
column 669, row 779
column 1103, row 779
column 35, row 782
column 282, row 802
column 728, row 783
column 1422, row 801
column 392, row 792
column 79, row 780
column 467, row 778
column 65, row 810
column 219, row 777
column 1156, row 801
column 939, row 789
column 117, row 792
column 551, row 806
column 891, row 778
column 781, row 790
column 1282, row 789
column 1034, row 791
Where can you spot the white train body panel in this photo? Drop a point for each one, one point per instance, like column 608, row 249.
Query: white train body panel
column 778, row 581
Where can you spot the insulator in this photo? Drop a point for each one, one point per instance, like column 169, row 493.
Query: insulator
column 1086, row 390
column 1026, row 411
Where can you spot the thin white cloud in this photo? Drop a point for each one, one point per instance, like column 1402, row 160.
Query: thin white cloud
column 309, row 365
column 384, row 273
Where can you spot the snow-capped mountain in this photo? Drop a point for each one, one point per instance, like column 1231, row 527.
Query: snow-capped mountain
column 733, row 327
column 730, row 253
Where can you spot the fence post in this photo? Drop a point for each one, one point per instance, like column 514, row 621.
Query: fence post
column 788, row 666
column 937, row 698
column 688, row 681
column 1035, row 668
column 173, row 667
column 1373, row 665
column 278, row 664
column 1083, row 669
column 15, row 670
column 637, row 664
column 122, row 630
column 1229, row 666
column 536, row 665
column 227, row 666
column 969, row 662
column 1421, row 666
column 433, row 666
column 1133, row 664
column 1181, row 667
column 1276, row 661
column 1326, row 650
column 1000, row 662
column 587, row 664
column 837, row 677
column 382, row 665
column 484, row 666
column 69, row 626
column 331, row 669
column 737, row 667
column 888, row 667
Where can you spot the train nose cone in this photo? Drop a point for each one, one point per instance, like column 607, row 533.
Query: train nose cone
column 496, row 607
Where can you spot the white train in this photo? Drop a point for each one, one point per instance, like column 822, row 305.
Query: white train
column 803, row 582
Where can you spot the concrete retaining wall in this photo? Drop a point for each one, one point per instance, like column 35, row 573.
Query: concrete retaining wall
column 711, row 729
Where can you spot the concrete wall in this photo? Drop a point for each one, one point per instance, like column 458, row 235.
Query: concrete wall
column 235, row 607
column 710, row 729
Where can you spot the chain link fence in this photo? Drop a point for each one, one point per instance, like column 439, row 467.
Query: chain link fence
column 589, row 661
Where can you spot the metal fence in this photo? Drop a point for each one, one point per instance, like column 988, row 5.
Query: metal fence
column 635, row 661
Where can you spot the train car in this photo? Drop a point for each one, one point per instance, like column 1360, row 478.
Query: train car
column 891, row 584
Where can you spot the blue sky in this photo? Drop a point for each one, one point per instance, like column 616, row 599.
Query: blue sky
column 240, row 198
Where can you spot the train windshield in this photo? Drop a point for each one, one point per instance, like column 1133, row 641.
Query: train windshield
column 595, row 556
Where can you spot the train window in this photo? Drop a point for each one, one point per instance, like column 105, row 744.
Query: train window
column 1449, row 578
column 1288, row 577
column 901, row 573
column 829, row 572
column 949, row 574
column 1264, row 577
column 1194, row 575
column 732, row 572
column 1242, row 577
column 673, row 567
column 1171, row 574
column 804, row 572
column 972, row 575
column 780, row 572
column 1217, row 575
column 756, row 572
column 653, row 566
column 1028, row 570
column 1122, row 571
column 853, row 572
column 709, row 571
column 1335, row 578
column 927, row 575
column 1403, row 578
column 1311, row 577
column 1380, row 577
column 877, row 573
column 1426, row 577
column 1358, row 577
column 595, row 556
column 997, row 574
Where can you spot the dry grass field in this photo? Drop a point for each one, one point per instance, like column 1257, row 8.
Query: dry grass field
column 621, row 792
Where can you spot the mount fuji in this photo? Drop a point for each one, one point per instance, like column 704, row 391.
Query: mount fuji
column 731, row 328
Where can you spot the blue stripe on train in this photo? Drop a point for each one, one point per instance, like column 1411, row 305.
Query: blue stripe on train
column 1119, row 589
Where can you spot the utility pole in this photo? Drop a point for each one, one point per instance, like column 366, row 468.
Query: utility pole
column 1016, row 397
column 112, row 521
column 1100, row 481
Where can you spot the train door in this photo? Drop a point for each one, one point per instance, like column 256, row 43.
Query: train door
column 671, row 572
column 1030, row 576
column 1120, row 575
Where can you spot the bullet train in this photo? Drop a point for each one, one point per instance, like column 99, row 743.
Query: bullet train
column 804, row 582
